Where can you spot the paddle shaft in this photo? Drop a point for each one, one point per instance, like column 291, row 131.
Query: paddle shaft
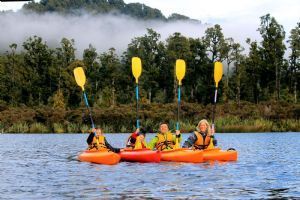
column 214, row 108
column 178, row 107
column 89, row 109
column 137, row 105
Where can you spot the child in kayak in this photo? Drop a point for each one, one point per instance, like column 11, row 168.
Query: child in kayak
column 98, row 141
column 202, row 138
column 137, row 139
column 164, row 139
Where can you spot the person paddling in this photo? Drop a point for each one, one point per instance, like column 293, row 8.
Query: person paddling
column 164, row 139
column 137, row 139
column 202, row 138
column 98, row 141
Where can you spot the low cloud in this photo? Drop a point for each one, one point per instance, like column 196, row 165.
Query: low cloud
column 106, row 31
column 102, row 31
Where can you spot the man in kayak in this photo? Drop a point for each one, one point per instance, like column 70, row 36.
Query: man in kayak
column 137, row 139
column 98, row 142
column 202, row 138
column 164, row 139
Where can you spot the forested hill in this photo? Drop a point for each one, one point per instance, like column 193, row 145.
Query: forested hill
column 77, row 7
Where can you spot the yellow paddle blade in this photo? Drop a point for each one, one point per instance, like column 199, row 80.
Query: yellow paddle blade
column 218, row 72
column 80, row 77
column 180, row 70
column 136, row 68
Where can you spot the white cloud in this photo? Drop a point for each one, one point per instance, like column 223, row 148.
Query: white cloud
column 11, row 5
column 219, row 11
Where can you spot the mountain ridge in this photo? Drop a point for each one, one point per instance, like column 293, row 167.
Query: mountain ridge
column 76, row 7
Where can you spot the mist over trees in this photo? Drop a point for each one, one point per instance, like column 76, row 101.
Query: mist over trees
column 40, row 75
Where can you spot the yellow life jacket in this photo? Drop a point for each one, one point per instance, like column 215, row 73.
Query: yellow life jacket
column 165, row 141
column 98, row 144
column 139, row 145
column 202, row 143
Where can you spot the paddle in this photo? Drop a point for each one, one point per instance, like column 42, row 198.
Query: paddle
column 80, row 80
column 180, row 72
column 218, row 73
column 136, row 66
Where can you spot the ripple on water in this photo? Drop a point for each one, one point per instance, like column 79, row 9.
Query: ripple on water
column 46, row 166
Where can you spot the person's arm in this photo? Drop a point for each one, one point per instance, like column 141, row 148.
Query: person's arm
column 89, row 140
column 152, row 143
column 190, row 141
column 116, row 150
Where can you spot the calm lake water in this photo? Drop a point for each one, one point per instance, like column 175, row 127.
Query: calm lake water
column 44, row 166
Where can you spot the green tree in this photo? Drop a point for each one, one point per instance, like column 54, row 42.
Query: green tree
column 60, row 74
column 215, row 43
column 153, row 56
column 93, row 71
column 112, row 68
column 238, row 59
column 178, row 47
column 254, row 71
column 228, row 56
column 198, row 74
column 13, row 77
column 294, row 60
column 37, row 59
column 273, row 49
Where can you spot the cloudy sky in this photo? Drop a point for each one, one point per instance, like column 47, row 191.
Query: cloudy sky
column 238, row 18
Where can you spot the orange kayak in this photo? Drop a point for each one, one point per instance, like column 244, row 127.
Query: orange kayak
column 220, row 155
column 100, row 157
column 140, row 155
column 182, row 155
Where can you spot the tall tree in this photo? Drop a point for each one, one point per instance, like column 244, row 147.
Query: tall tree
column 294, row 60
column 238, row 58
column 254, row 70
column 152, row 52
column 178, row 47
column 273, row 49
column 198, row 74
column 38, row 59
column 59, row 71
column 112, row 67
column 93, row 71
column 228, row 56
column 215, row 43
column 13, row 76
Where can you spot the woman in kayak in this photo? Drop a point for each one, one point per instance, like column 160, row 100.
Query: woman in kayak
column 98, row 142
column 137, row 139
column 202, row 138
column 164, row 139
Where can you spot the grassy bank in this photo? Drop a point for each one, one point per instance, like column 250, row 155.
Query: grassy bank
column 265, row 117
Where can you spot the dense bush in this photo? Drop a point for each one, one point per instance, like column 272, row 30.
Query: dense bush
column 264, row 117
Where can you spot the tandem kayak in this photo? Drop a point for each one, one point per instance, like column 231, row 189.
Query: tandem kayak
column 182, row 155
column 100, row 157
column 140, row 155
column 220, row 155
